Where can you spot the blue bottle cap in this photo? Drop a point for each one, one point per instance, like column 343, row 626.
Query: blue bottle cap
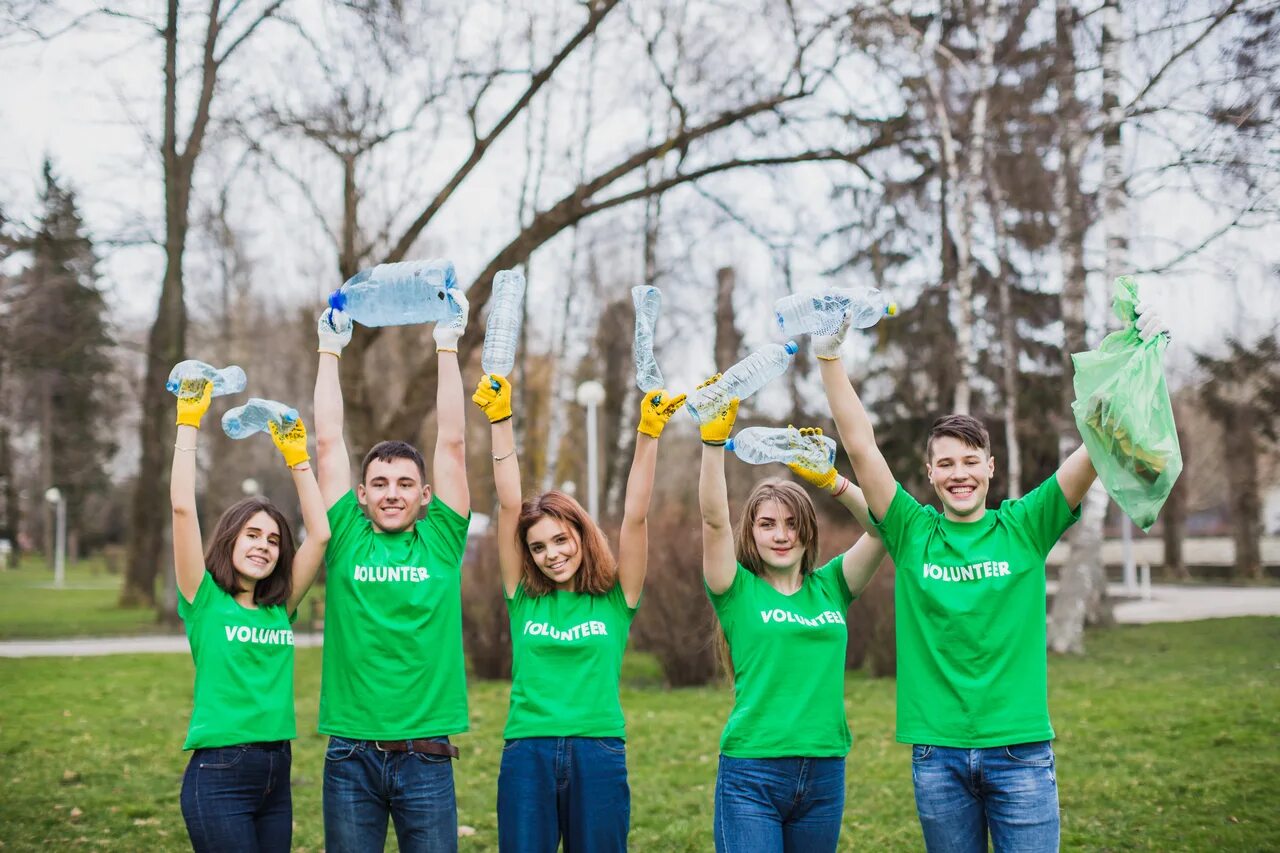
column 728, row 445
column 791, row 347
column 338, row 300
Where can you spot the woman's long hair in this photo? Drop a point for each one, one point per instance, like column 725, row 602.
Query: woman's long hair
column 598, row 572
column 272, row 590
column 792, row 498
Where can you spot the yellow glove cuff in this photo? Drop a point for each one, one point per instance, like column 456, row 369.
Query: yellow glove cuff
column 494, row 402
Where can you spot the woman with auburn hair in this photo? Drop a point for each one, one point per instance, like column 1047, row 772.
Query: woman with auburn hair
column 780, row 783
column 564, row 772
column 238, row 600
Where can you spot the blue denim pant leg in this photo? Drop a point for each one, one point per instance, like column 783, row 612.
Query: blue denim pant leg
column 363, row 786
column 1009, row 792
column 238, row 798
column 572, row 789
column 778, row 804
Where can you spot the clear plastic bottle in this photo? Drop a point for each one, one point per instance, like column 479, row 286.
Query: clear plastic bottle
column 400, row 294
column 648, row 303
column 742, row 380
column 253, row 416
column 228, row 380
column 502, row 331
column 762, row 445
column 822, row 312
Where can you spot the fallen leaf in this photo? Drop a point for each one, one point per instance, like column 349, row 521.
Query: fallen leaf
column 70, row 777
column 1233, row 818
column 466, row 831
column 75, row 812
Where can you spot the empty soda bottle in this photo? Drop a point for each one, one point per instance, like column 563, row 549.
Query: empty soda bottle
column 762, row 445
column 228, row 380
column 253, row 416
column 400, row 294
column 742, row 380
column 502, row 331
column 648, row 303
column 821, row 313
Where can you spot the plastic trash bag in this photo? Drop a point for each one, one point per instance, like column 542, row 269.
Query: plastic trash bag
column 1123, row 412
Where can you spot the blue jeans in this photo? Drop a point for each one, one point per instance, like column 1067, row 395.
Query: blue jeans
column 1010, row 792
column 784, row 804
column 563, row 788
column 363, row 785
column 238, row 798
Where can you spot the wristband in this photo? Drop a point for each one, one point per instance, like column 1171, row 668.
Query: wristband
column 446, row 349
column 504, row 456
column 177, row 446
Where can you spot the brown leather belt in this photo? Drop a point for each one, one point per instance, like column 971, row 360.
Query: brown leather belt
column 427, row 747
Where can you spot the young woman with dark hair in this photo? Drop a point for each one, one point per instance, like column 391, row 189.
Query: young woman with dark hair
column 780, row 783
column 238, row 599
column 564, row 773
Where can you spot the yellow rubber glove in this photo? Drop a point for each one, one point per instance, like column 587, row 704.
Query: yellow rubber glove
column 822, row 479
column 494, row 402
column 715, row 431
column 193, row 401
column 656, row 410
column 292, row 444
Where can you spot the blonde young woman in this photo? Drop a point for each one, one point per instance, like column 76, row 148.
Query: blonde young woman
column 780, row 783
column 564, row 773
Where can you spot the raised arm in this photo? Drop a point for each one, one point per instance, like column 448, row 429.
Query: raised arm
column 306, row 562
column 332, row 460
column 633, row 546
column 856, row 432
column 719, row 565
column 449, row 467
column 188, row 549
column 496, row 405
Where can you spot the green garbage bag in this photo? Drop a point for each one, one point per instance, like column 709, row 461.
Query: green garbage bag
column 1123, row 412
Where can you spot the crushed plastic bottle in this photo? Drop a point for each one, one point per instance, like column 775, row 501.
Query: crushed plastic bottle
column 400, row 294
column 762, row 445
column 821, row 313
column 648, row 304
column 228, row 380
column 502, row 331
column 253, row 416
column 742, row 380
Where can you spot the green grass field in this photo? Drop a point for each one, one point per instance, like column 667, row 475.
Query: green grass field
column 31, row 608
column 1167, row 740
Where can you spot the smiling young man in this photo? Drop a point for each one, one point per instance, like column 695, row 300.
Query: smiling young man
column 970, row 609
column 393, row 685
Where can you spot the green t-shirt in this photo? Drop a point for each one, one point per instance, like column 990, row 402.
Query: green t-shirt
column 244, row 670
column 566, row 659
column 970, row 603
column 393, row 666
column 788, row 665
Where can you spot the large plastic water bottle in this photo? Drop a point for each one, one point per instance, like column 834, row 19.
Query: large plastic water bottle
column 822, row 312
column 502, row 331
column 399, row 294
column 742, row 380
column 253, row 416
column 648, row 303
column 228, row 380
column 762, row 445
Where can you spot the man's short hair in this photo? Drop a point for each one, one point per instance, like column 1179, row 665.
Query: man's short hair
column 386, row 451
column 970, row 431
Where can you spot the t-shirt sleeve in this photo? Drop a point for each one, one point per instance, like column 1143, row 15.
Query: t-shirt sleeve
column 446, row 530
column 618, row 599
column 188, row 610
column 722, row 602
column 904, row 513
column 832, row 575
column 345, row 517
column 1042, row 515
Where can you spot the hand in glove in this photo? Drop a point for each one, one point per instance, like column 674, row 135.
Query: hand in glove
column 655, row 410
column 292, row 444
column 448, row 332
column 1149, row 323
column 716, row 429
column 494, row 402
column 193, row 401
column 334, row 331
column 827, row 347
column 822, row 479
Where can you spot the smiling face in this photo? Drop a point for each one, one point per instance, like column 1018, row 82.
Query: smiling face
column 256, row 550
column 777, row 539
column 556, row 550
column 961, row 475
column 393, row 493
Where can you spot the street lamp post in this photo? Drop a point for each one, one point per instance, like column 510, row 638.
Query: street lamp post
column 54, row 496
column 590, row 395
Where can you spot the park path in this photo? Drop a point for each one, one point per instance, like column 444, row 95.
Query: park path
column 1167, row 603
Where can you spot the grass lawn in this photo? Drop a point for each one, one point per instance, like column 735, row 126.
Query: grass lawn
column 31, row 608
column 1167, row 740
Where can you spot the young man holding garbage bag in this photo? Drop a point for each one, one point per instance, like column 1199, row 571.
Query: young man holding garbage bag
column 393, row 685
column 970, row 608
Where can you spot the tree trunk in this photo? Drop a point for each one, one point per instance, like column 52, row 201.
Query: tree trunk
column 728, row 342
column 47, row 451
column 1174, row 518
column 1008, row 336
column 1246, row 501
